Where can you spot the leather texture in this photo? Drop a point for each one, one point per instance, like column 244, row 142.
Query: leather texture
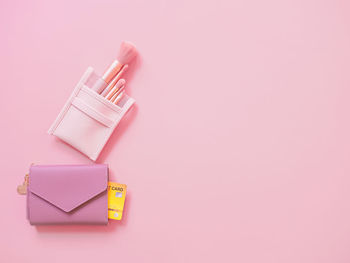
column 67, row 194
column 87, row 120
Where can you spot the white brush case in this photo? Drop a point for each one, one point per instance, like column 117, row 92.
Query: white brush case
column 88, row 119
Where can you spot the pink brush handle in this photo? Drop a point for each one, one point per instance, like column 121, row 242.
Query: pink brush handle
column 99, row 86
column 114, row 81
column 119, row 97
column 115, row 89
column 120, row 90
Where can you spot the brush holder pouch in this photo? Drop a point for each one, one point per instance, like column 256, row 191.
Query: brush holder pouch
column 88, row 119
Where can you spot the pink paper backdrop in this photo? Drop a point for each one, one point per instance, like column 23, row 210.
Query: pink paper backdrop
column 238, row 149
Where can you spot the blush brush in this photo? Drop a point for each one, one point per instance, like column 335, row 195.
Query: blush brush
column 127, row 53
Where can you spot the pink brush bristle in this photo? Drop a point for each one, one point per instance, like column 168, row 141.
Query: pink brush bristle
column 127, row 53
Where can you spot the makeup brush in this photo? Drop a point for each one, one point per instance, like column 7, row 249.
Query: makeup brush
column 115, row 89
column 116, row 95
column 127, row 53
column 119, row 97
column 114, row 81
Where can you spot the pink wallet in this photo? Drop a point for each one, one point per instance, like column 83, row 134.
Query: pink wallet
column 88, row 119
column 67, row 194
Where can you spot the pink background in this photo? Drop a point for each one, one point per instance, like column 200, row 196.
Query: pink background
column 237, row 151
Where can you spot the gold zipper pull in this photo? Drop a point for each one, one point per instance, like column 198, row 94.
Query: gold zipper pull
column 22, row 188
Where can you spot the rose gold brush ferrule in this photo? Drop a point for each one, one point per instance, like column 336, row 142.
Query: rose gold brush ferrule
column 113, row 70
column 118, row 98
column 116, row 78
column 116, row 87
column 116, row 93
column 104, row 82
column 99, row 86
column 126, row 54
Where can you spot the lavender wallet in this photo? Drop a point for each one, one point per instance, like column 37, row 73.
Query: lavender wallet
column 88, row 119
column 67, row 194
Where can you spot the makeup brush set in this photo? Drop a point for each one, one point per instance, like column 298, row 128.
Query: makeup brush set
column 96, row 106
column 82, row 194
column 112, row 85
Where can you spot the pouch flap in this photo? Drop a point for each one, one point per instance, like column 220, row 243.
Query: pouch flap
column 90, row 111
column 68, row 186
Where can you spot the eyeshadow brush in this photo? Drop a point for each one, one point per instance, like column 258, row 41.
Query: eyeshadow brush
column 115, row 95
column 119, row 97
column 115, row 89
column 114, row 81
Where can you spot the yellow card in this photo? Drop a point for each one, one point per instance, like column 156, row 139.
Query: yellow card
column 116, row 199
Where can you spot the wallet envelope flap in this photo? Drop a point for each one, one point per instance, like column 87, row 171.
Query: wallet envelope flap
column 68, row 186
